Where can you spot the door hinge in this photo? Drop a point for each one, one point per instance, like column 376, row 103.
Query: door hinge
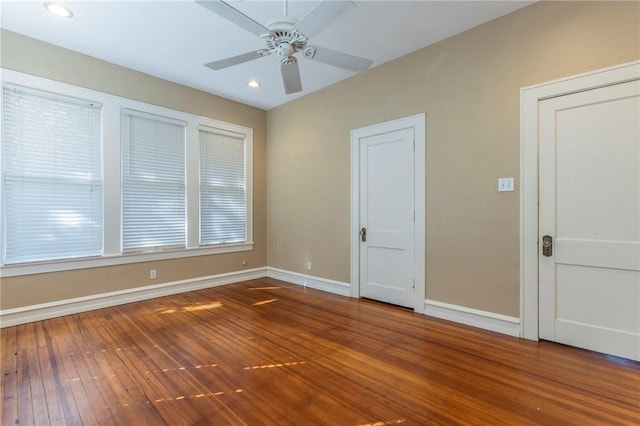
column 414, row 215
column 414, row 144
column 414, row 284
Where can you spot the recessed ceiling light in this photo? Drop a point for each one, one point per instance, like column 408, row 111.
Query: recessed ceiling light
column 58, row 9
column 253, row 83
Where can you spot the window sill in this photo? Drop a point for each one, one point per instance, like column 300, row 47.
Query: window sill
column 118, row 259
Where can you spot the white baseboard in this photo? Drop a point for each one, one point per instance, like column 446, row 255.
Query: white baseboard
column 476, row 318
column 324, row 284
column 482, row 319
column 10, row 317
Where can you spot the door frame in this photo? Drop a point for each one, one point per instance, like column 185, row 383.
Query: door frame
column 418, row 124
column 529, row 179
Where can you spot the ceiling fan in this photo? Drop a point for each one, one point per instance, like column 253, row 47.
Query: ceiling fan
column 286, row 36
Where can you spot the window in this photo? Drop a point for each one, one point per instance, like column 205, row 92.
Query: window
column 223, row 195
column 52, row 176
column 153, row 182
column 90, row 179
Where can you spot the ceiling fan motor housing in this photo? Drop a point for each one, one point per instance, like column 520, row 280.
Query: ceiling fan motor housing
column 283, row 40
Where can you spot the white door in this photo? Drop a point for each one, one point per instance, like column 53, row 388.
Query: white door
column 387, row 217
column 590, row 205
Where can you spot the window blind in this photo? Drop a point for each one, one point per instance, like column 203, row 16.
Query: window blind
column 153, row 182
column 223, row 206
column 52, row 176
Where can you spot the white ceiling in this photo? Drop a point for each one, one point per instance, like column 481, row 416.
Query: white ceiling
column 173, row 39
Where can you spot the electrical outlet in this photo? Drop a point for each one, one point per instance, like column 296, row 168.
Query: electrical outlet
column 309, row 265
column 153, row 274
column 244, row 262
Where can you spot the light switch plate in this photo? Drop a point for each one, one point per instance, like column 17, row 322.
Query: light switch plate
column 506, row 184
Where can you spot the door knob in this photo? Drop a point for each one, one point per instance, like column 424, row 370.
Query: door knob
column 363, row 234
column 547, row 245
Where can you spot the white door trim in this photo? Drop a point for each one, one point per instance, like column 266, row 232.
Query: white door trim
column 529, row 98
column 417, row 122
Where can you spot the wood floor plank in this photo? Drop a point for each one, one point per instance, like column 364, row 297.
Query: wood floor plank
column 47, row 358
column 9, row 366
column 25, row 406
column 264, row 352
column 38, row 401
column 64, row 378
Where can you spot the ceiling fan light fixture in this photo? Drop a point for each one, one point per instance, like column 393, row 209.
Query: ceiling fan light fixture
column 254, row 84
column 58, row 9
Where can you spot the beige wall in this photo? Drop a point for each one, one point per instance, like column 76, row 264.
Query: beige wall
column 468, row 86
column 41, row 59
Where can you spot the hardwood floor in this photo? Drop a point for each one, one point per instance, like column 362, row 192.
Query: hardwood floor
column 264, row 352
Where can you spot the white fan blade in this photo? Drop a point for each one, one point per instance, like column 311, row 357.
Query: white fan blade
column 234, row 15
column 234, row 60
column 291, row 78
column 322, row 15
column 340, row 60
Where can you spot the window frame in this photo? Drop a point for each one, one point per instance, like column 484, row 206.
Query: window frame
column 88, row 112
column 127, row 117
column 112, row 107
column 202, row 185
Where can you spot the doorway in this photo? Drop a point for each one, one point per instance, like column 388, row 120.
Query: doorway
column 388, row 212
column 581, row 246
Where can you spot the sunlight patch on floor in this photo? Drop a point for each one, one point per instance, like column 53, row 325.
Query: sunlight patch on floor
column 284, row 364
column 265, row 302
column 387, row 422
column 200, row 395
column 190, row 308
column 167, row 370
column 182, row 398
